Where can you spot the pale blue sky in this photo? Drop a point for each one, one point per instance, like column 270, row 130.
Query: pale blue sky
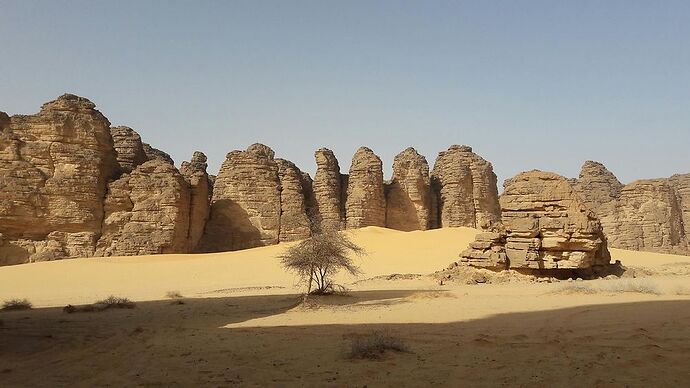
column 528, row 84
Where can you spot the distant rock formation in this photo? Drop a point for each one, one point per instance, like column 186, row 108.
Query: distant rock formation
column 329, row 189
column 465, row 190
column 72, row 186
column 365, row 204
column 546, row 225
column 649, row 214
column 245, row 209
column 408, row 195
column 54, row 167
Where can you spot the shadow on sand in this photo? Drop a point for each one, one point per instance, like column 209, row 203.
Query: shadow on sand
column 162, row 344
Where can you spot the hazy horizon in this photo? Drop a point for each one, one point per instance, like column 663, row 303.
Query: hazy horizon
column 529, row 85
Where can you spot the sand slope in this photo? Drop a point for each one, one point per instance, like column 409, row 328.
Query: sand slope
column 234, row 331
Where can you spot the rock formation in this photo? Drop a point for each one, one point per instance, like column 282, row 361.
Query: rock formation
column 294, row 186
column 465, row 191
column 130, row 149
column 194, row 172
column 365, row 204
column 54, row 167
column 329, row 209
column 408, row 195
column 649, row 214
column 146, row 212
column 245, row 209
column 545, row 225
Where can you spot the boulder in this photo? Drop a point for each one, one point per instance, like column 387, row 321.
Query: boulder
column 408, row 195
column 545, row 225
column 365, row 204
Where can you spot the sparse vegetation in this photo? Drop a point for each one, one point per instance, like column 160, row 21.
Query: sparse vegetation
column 681, row 290
column 373, row 346
column 173, row 295
column 111, row 302
column 317, row 259
column 16, row 304
column 614, row 286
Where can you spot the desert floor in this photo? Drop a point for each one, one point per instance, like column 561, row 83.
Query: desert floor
column 241, row 322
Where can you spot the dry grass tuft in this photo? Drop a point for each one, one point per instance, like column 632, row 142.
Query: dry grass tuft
column 111, row 302
column 641, row 286
column 373, row 346
column 16, row 304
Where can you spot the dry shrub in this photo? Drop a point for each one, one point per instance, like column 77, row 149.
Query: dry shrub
column 111, row 302
column 641, row 286
column 173, row 295
column 16, row 304
column 373, row 346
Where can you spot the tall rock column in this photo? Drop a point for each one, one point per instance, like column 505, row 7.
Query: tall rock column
column 294, row 223
column 329, row 207
column 465, row 188
column 245, row 209
column 408, row 196
column 194, row 172
column 366, row 203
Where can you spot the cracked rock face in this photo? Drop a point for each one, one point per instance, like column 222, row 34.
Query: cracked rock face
column 245, row 209
column 54, row 167
column 408, row 195
column 365, row 204
column 648, row 214
column 147, row 212
column 465, row 190
column 546, row 225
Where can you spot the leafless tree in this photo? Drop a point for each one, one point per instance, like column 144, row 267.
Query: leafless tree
column 316, row 259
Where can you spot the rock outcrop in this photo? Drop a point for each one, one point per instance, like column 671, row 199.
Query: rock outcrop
column 408, row 195
column 545, row 225
column 147, row 212
column 245, row 209
column 465, row 190
column 129, row 148
column 365, row 204
column 54, row 167
column 329, row 192
column 648, row 214
column 194, row 172
column 294, row 191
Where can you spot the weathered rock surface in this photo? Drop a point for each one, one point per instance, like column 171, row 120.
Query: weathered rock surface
column 245, row 209
column 154, row 153
column 329, row 193
column 649, row 214
column 408, row 195
column 546, row 225
column 54, row 166
column 465, row 188
column 294, row 191
column 130, row 149
column 147, row 212
column 194, row 172
column 365, row 204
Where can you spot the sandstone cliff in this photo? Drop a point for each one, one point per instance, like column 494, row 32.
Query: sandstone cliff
column 649, row 214
column 546, row 225
column 465, row 190
column 329, row 193
column 365, row 204
column 408, row 195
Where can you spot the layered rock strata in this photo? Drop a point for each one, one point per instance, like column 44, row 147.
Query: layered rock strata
column 408, row 195
column 545, row 225
column 365, row 204
column 329, row 193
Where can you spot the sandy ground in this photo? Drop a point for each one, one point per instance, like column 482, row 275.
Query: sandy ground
column 241, row 323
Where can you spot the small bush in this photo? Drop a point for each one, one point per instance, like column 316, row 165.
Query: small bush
column 173, row 295
column 16, row 304
column 116, row 302
column 111, row 302
column 373, row 346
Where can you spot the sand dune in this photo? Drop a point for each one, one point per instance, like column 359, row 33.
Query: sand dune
column 242, row 324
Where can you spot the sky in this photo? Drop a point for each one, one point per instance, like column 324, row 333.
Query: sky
column 528, row 84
